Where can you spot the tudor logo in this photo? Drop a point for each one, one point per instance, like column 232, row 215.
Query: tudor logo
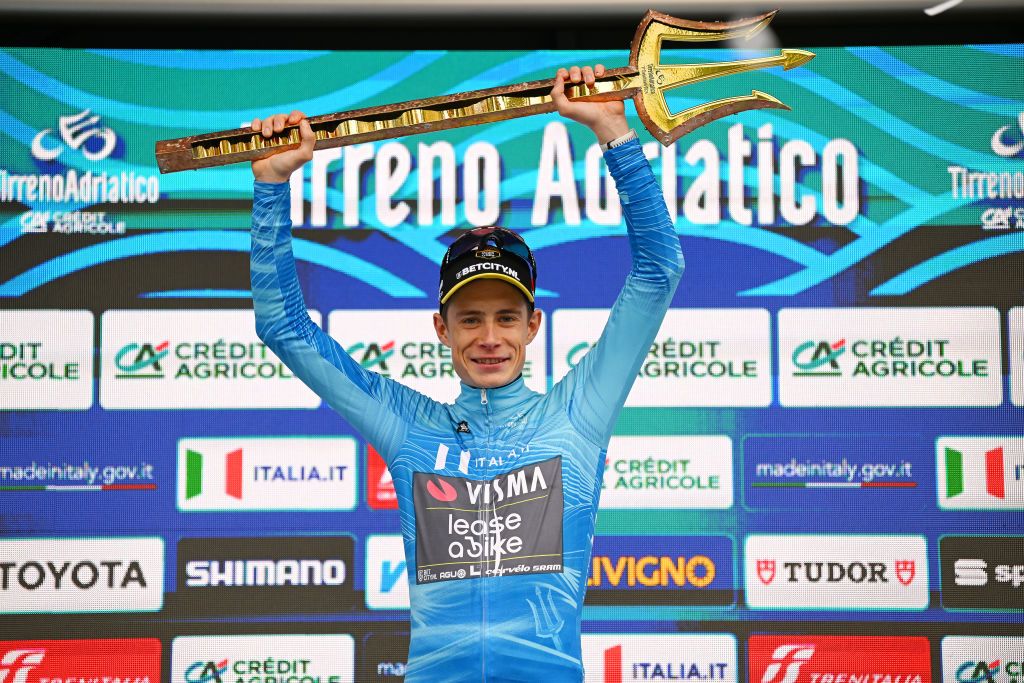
column 766, row 571
column 905, row 570
column 488, row 253
column 819, row 571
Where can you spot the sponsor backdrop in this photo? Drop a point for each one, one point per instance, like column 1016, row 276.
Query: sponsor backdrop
column 818, row 477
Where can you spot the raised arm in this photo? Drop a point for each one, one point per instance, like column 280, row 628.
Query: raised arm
column 597, row 387
column 371, row 403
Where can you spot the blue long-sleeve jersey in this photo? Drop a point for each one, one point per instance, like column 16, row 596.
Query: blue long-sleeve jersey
column 497, row 492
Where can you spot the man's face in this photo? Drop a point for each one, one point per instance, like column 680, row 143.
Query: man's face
column 487, row 326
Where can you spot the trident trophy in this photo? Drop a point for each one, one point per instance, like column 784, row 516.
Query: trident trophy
column 645, row 80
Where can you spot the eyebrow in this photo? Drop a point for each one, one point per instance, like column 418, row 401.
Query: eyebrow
column 479, row 312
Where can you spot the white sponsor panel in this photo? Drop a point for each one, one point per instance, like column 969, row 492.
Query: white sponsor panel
column 387, row 574
column 69, row 575
column 1016, row 326
column 672, row 472
column 403, row 345
column 659, row 656
column 966, row 659
column 836, row 572
column 264, row 658
column 46, row 360
column 980, row 472
column 700, row 357
column 194, row 359
column 890, row 357
column 273, row 473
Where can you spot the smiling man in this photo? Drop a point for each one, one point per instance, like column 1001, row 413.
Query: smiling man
column 497, row 492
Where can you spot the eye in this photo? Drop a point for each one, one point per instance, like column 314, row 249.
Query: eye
column 470, row 320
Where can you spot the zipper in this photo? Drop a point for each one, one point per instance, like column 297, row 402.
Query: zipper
column 483, row 579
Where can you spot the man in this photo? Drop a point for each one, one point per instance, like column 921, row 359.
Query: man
column 497, row 492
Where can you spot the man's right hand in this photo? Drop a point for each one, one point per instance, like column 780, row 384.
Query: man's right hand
column 278, row 168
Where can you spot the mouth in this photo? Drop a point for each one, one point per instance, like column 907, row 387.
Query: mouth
column 490, row 363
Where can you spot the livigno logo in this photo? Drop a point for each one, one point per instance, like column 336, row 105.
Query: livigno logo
column 193, row 359
column 263, row 658
column 46, row 360
column 698, row 358
column 674, row 472
column 403, row 346
column 890, row 357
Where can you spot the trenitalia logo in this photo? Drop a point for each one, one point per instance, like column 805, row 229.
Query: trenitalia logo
column 380, row 486
column 62, row 661
column 786, row 663
column 848, row 659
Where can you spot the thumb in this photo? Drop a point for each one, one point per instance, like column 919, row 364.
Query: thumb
column 558, row 92
column 308, row 138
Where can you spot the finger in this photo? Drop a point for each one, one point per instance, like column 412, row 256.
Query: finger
column 558, row 89
column 575, row 75
column 588, row 76
column 256, row 124
column 295, row 117
column 268, row 127
column 308, row 138
column 279, row 120
column 599, row 70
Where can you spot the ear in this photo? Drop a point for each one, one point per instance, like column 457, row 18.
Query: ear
column 533, row 325
column 442, row 330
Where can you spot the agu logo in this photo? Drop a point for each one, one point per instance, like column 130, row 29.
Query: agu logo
column 818, row 358
column 141, row 361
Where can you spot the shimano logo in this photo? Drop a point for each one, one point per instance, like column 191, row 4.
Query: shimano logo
column 210, row 573
column 495, row 267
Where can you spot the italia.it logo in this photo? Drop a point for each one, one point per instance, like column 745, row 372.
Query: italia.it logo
column 194, row 475
column 15, row 665
column 995, row 483
column 205, row 671
column 373, row 356
column 141, row 361
column 786, row 663
column 816, row 358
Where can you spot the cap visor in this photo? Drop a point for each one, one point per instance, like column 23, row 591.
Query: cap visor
column 491, row 276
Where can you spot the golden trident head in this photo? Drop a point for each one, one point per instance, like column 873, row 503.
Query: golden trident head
column 656, row 78
column 645, row 80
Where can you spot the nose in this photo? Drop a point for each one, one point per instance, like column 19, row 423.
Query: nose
column 489, row 334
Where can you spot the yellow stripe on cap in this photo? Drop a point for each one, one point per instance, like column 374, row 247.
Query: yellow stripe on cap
column 492, row 276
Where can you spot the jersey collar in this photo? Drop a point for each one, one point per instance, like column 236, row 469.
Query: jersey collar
column 499, row 399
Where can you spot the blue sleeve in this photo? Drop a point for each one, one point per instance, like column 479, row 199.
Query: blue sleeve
column 597, row 387
column 374, row 405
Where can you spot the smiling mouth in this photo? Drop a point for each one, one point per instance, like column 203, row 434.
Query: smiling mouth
column 489, row 361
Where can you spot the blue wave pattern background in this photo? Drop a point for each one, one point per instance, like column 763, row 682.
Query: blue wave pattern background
column 911, row 113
